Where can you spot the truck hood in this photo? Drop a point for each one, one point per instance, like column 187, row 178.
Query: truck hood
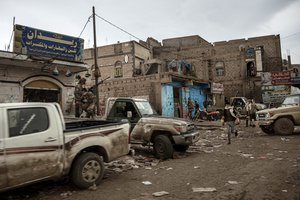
column 279, row 109
column 165, row 120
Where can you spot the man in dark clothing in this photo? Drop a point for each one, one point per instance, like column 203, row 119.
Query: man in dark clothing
column 197, row 111
column 230, row 116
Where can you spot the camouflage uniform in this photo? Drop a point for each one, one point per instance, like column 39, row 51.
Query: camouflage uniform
column 78, row 96
column 89, row 104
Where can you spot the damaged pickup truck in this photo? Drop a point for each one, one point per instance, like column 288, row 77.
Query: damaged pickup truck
column 36, row 144
column 147, row 127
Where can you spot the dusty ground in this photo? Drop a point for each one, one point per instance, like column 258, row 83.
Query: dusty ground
column 254, row 166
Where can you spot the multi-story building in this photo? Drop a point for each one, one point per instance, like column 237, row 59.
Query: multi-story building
column 168, row 73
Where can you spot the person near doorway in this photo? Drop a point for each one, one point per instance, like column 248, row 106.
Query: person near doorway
column 190, row 105
column 197, row 110
column 251, row 112
column 230, row 117
column 89, row 103
column 78, row 96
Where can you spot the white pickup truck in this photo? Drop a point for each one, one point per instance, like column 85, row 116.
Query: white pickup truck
column 165, row 134
column 37, row 144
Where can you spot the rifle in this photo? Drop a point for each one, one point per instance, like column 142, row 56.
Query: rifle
column 94, row 86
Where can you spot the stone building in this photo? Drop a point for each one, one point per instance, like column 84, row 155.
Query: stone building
column 134, row 72
column 23, row 79
column 41, row 68
column 168, row 73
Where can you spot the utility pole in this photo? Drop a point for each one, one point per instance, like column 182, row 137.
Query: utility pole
column 97, row 73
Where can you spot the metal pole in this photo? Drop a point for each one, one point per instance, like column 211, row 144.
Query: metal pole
column 97, row 71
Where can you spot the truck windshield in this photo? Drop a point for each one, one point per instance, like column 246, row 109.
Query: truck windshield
column 291, row 100
column 145, row 108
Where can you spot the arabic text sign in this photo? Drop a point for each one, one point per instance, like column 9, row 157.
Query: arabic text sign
column 281, row 77
column 217, row 88
column 37, row 42
column 275, row 93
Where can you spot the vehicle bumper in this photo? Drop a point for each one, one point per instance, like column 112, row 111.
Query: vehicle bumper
column 265, row 122
column 187, row 139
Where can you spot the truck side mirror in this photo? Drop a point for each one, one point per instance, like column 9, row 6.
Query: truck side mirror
column 129, row 114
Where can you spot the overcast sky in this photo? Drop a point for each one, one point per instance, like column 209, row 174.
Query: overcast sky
column 213, row 20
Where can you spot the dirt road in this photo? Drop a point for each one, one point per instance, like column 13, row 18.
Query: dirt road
column 254, row 166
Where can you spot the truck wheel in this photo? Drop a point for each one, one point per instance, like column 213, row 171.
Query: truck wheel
column 283, row 126
column 163, row 148
column 267, row 129
column 88, row 170
column 181, row 148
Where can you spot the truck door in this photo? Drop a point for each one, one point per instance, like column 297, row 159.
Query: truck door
column 3, row 175
column 120, row 111
column 33, row 145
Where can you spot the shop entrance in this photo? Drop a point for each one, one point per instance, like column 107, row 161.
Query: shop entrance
column 41, row 91
column 37, row 95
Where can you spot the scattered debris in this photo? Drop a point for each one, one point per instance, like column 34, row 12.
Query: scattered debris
column 208, row 189
column 66, row 194
column 159, row 194
column 93, row 187
column 233, row 182
column 284, row 139
column 147, row 183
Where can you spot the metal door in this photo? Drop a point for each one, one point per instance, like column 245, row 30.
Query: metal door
column 167, row 99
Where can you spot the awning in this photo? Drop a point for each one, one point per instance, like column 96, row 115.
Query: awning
column 24, row 61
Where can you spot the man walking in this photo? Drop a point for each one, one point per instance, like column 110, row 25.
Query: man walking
column 230, row 116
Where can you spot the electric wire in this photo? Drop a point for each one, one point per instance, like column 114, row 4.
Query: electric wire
column 291, row 35
column 85, row 25
column 117, row 27
column 47, row 65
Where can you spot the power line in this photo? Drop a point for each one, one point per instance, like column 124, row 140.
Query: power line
column 85, row 25
column 47, row 65
column 117, row 27
column 291, row 35
column 12, row 33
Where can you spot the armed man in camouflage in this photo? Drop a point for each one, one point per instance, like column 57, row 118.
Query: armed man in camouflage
column 78, row 96
column 89, row 103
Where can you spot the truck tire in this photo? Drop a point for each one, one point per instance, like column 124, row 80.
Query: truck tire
column 163, row 148
column 267, row 129
column 181, row 148
column 283, row 126
column 88, row 170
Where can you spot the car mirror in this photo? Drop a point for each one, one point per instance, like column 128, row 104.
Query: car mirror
column 129, row 114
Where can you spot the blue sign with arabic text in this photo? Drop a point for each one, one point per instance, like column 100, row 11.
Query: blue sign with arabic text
column 31, row 41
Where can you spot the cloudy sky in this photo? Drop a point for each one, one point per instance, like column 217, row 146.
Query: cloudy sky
column 213, row 20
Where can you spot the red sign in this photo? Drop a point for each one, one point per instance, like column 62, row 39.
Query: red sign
column 281, row 78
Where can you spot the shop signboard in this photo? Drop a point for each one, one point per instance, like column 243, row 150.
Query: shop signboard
column 217, row 88
column 281, row 78
column 36, row 42
column 275, row 93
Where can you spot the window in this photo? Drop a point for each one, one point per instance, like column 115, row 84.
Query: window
column 220, row 71
column 27, row 121
column 118, row 69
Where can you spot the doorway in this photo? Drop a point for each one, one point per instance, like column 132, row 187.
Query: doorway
column 39, row 95
column 41, row 91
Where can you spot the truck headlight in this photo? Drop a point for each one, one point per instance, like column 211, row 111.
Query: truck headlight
column 181, row 128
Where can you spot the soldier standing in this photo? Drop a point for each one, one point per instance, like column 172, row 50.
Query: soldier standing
column 89, row 105
column 78, row 96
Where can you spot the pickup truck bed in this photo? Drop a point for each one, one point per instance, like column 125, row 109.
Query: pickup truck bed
column 88, row 124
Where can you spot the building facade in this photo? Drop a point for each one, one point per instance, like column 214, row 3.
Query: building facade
column 168, row 73
column 23, row 79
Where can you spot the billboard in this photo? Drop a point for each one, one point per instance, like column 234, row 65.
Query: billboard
column 36, row 42
column 275, row 93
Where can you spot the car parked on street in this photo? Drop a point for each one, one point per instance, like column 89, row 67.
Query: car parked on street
column 37, row 144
